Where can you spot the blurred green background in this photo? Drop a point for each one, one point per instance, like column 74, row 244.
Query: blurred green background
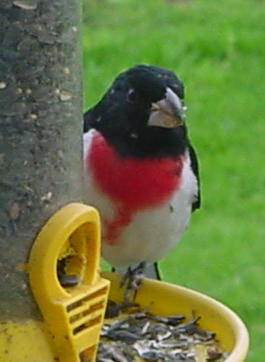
column 218, row 50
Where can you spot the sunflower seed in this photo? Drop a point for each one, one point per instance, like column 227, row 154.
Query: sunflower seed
column 26, row 4
column 138, row 334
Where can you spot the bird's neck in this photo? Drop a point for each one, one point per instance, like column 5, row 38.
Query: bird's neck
column 154, row 142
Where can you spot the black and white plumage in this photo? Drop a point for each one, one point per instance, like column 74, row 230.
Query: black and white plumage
column 141, row 171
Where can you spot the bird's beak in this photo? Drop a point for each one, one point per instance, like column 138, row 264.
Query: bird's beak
column 168, row 112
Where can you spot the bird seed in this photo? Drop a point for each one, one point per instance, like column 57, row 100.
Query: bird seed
column 138, row 335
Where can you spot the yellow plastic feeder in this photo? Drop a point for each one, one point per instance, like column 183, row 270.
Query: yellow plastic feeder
column 164, row 299
column 73, row 315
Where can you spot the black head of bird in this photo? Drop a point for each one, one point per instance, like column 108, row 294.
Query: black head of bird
column 142, row 112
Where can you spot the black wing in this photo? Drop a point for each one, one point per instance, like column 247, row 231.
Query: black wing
column 195, row 168
column 89, row 118
column 87, row 121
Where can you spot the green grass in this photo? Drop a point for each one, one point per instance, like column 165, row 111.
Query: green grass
column 217, row 48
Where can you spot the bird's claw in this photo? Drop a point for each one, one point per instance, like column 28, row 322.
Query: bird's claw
column 132, row 281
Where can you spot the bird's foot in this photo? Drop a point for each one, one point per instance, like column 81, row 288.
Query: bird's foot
column 132, row 281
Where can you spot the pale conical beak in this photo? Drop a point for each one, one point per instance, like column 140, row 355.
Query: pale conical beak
column 168, row 112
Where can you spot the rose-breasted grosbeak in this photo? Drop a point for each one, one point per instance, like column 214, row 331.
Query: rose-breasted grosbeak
column 141, row 171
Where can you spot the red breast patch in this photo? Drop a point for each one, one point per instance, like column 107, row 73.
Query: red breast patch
column 132, row 183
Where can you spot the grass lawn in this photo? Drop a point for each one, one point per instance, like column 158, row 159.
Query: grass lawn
column 218, row 49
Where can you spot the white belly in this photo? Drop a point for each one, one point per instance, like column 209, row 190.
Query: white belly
column 150, row 235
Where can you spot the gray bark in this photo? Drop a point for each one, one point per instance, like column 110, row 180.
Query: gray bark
column 40, row 132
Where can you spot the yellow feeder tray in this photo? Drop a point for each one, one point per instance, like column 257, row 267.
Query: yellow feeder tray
column 73, row 314
column 164, row 299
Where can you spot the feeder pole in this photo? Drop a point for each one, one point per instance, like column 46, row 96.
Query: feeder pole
column 40, row 133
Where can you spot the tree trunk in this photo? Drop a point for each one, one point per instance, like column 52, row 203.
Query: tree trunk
column 40, row 132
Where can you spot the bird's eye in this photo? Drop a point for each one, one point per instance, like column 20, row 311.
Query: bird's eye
column 131, row 96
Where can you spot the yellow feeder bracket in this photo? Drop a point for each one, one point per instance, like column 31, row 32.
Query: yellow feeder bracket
column 73, row 310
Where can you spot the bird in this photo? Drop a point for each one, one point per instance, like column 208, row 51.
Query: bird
column 140, row 170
